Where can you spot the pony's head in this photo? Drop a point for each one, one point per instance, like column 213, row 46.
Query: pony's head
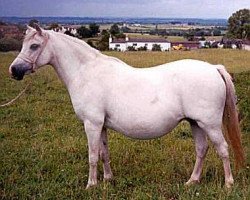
column 33, row 53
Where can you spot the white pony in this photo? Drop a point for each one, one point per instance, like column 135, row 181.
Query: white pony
column 140, row 103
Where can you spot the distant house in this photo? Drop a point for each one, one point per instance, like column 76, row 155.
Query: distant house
column 136, row 43
column 186, row 44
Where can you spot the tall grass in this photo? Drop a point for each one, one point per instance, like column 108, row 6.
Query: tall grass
column 43, row 149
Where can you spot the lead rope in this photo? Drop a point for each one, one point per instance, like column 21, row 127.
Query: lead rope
column 32, row 62
column 17, row 97
column 25, row 58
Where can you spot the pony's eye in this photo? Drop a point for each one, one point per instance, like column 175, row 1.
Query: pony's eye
column 34, row 46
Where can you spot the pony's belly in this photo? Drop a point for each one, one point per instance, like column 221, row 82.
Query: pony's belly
column 142, row 129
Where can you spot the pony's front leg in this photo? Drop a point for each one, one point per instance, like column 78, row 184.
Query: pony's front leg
column 93, row 132
column 104, row 155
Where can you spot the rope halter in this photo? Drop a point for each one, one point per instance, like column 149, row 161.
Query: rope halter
column 33, row 61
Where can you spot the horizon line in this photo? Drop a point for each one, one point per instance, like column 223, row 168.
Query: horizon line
column 114, row 17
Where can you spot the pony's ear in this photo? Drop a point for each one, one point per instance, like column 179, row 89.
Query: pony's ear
column 29, row 29
column 38, row 28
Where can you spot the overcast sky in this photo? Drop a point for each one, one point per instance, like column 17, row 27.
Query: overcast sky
column 123, row 8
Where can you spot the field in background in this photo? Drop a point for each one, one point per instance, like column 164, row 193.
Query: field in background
column 169, row 38
column 234, row 60
column 159, row 26
column 43, row 150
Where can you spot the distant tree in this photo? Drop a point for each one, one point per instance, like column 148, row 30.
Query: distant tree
column 238, row 24
column 247, row 31
column 103, row 44
column 189, row 35
column 53, row 26
column 94, row 29
column 156, row 47
column 216, row 32
column 161, row 32
column 200, row 33
column 114, row 29
column 153, row 32
column 32, row 22
column 104, row 32
column 84, row 32
column 208, row 33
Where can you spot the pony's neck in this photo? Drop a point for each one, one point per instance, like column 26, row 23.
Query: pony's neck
column 70, row 57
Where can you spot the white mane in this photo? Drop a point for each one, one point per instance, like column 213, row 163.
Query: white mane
column 75, row 40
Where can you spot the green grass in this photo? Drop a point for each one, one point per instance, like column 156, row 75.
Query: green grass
column 43, row 149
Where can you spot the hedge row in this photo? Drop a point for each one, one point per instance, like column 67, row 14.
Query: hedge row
column 10, row 44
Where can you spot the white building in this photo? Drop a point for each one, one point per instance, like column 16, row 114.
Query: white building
column 124, row 44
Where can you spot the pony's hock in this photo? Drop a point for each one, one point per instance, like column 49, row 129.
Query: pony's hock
column 140, row 103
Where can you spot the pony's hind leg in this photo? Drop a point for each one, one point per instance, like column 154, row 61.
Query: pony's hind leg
column 104, row 155
column 221, row 146
column 201, row 147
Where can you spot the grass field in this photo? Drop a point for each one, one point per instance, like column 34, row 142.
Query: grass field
column 169, row 38
column 43, row 149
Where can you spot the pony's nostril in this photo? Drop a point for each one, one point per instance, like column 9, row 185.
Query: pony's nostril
column 13, row 69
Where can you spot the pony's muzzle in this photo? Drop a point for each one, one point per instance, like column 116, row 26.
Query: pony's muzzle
column 18, row 71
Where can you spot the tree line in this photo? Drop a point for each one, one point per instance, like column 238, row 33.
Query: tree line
column 238, row 28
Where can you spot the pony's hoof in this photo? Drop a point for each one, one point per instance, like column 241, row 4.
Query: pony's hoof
column 90, row 185
column 192, row 182
column 108, row 177
column 229, row 184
